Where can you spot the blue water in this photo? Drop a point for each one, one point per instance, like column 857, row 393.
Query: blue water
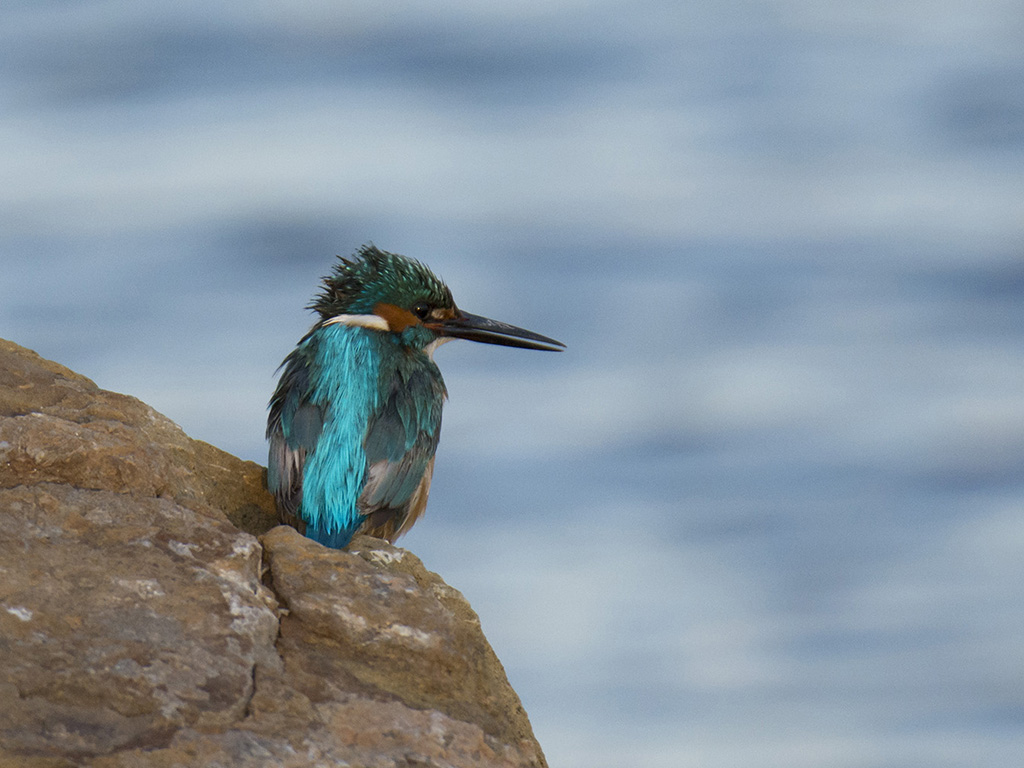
column 768, row 507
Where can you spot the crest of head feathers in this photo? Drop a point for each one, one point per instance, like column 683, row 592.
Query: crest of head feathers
column 373, row 276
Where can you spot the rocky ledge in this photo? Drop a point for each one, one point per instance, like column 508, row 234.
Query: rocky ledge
column 152, row 615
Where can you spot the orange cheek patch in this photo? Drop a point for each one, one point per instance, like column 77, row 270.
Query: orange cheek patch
column 398, row 319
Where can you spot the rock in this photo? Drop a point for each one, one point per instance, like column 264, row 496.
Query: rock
column 123, row 619
column 143, row 623
column 60, row 427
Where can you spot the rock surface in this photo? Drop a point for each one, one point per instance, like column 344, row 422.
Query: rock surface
column 142, row 623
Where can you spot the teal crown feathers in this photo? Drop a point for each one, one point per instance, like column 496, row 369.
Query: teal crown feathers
column 356, row 284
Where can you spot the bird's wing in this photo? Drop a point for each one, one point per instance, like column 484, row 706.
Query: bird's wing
column 293, row 428
column 400, row 445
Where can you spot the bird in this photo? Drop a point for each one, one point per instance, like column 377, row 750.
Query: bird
column 355, row 418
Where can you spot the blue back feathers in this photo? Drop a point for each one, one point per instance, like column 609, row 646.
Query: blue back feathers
column 344, row 390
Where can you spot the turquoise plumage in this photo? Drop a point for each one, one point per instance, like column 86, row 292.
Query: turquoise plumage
column 356, row 416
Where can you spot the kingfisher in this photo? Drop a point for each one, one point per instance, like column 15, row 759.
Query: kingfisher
column 356, row 416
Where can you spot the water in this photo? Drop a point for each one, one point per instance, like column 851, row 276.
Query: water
column 766, row 510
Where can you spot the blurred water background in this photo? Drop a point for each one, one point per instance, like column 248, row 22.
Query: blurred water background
column 766, row 510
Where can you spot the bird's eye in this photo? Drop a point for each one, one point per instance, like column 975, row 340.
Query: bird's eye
column 421, row 309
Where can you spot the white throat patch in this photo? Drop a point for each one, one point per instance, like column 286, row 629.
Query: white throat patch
column 429, row 349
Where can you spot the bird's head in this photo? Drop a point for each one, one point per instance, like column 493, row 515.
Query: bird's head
column 390, row 293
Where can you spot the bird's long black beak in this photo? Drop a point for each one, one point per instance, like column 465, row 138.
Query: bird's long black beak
column 476, row 328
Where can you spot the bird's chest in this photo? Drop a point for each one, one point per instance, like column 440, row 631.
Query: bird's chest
column 411, row 393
